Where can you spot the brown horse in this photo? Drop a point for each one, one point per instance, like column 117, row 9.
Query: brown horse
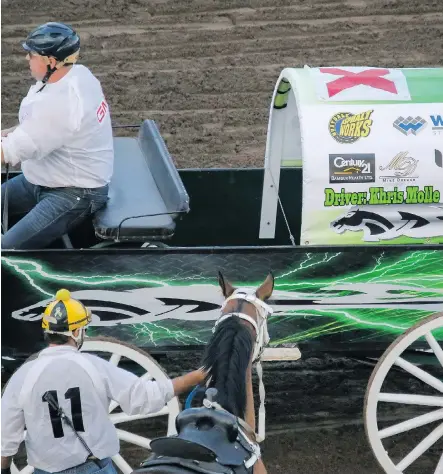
column 221, row 436
column 239, row 338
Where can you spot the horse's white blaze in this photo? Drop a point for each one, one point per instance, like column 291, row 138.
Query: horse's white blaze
column 374, row 396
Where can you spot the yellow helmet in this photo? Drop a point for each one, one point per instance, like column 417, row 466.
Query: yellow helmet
column 65, row 314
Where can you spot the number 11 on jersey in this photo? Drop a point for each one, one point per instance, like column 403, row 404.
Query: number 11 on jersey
column 72, row 394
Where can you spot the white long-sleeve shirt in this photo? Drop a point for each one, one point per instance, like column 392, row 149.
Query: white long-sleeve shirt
column 84, row 396
column 64, row 137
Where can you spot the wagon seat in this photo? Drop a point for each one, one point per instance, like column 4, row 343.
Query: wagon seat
column 146, row 193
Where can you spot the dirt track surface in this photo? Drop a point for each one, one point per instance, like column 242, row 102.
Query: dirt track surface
column 205, row 69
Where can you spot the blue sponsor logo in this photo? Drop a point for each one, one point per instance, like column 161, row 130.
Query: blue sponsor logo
column 410, row 125
column 437, row 122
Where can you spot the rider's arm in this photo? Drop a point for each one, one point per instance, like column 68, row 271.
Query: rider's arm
column 49, row 128
column 140, row 396
column 188, row 381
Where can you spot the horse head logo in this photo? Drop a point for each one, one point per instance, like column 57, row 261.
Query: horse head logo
column 356, row 219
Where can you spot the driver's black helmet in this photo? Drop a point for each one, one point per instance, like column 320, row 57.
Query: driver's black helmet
column 53, row 39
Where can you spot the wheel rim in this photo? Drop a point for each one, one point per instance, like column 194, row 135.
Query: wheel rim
column 152, row 370
column 392, row 357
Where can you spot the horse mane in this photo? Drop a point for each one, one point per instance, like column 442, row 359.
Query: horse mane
column 226, row 359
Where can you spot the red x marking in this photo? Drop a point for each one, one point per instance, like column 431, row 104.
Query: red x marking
column 369, row 77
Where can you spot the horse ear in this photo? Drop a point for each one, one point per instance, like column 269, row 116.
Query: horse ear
column 266, row 288
column 225, row 285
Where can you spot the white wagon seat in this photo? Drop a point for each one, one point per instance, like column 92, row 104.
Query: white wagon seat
column 146, row 193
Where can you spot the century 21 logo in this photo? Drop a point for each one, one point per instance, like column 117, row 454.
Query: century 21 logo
column 345, row 127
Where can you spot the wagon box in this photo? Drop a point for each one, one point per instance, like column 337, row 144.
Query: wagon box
column 347, row 212
column 147, row 263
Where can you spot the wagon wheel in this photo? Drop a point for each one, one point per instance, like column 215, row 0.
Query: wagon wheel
column 374, row 395
column 117, row 350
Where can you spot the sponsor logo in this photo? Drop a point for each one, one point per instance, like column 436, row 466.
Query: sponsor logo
column 410, row 125
column 369, row 77
column 380, row 195
column 390, row 222
column 437, row 124
column 400, row 169
column 345, row 127
column 352, row 168
column 101, row 111
column 438, row 158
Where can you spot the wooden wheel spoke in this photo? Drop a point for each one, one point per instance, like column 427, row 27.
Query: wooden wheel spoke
column 123, row 417
column 420, row 374
column 134, row 439
column 115, row 359
column 422, row 447
column 439, row 468
column 122, row 464
column 412, row 423
column 425, row 400
column 435, row 346
column 375, row 396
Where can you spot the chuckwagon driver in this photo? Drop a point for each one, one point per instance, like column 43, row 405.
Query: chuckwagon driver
column 63, row 142
column 82, row 385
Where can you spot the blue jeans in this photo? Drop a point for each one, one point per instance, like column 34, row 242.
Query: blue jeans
column 107, row 467
column 50, row 212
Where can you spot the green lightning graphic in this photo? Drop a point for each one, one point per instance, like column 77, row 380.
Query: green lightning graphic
column 414, row 274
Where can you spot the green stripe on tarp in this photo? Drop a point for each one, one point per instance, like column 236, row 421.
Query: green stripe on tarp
column 425, row 85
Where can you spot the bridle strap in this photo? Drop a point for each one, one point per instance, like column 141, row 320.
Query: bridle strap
column 240, row 295
column 260, row 435
column 241, row 316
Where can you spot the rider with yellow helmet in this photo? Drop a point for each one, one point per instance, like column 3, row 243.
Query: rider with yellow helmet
column 82, row 385
column 67, row 317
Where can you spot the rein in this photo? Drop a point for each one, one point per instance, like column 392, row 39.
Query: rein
column 263, row 310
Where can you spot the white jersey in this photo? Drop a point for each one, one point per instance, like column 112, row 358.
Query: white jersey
column 83, row 385
column 65, row 135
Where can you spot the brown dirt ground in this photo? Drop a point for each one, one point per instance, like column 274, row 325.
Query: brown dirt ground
column 205, row 69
